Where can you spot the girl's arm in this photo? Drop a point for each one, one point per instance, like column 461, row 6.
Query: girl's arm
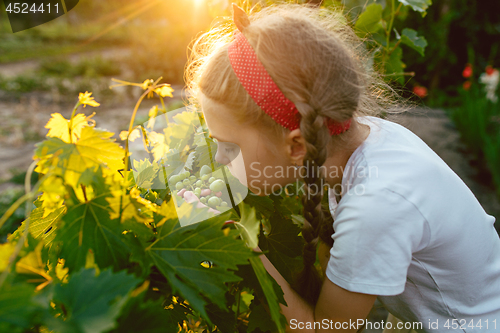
column 335, row 304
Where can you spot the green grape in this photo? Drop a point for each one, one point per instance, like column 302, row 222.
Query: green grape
column 186, row 174
column 217, row 185
column 197, row 191
column 192, row 178
column 204, row 177
column 213, row 202
column 179, row 185
column 203, row 200
column 174, row 179
column 223, row 204
column 211, row 180
column 205, row 170
column 186, row 182
column 199, row 183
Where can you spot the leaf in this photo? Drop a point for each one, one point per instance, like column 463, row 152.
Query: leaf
column 259, row 319
column 264, row 206
column 17, row 307
column 417, row 5
column 410, row 38
column 394, row 65
column 88, row 226
column 284, row 245
column 149, row 316
column 6, row 250
column 206, row 154
column 224, row 320
column 179, row 252
column 92, row 303
column 59, row 126
column 266, row 282
column 249, row 225
column 190, row 160
column 45, row 226
column 70, row 160
column 370, row 20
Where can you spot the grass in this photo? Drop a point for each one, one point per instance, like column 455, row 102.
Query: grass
column 478, row 121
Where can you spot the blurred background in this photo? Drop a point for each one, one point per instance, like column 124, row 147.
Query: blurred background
column 43, row 69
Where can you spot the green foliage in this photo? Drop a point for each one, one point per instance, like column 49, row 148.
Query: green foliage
column 103, row 250
column 370, row 20
column 90, row 67
column 7, row 198
column 376, row 24
column 478, row 120
column 91, row 303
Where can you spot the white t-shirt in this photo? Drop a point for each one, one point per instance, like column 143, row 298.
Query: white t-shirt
column 410, row 230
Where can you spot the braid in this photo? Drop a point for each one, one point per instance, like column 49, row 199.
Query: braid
column 315, row 225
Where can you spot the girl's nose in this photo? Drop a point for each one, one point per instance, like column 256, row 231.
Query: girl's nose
column 221, row 158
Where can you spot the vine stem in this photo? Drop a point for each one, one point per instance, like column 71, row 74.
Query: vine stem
column 71, row 120
column 388, row 31
column 164, row 108
column 237, row 306
column 131, row 124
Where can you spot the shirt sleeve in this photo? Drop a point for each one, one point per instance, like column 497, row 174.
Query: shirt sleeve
column 375, row 236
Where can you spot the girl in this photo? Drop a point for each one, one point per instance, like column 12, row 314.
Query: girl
column 290, row 89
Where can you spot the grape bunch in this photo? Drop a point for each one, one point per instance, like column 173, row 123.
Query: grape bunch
column 208, row 189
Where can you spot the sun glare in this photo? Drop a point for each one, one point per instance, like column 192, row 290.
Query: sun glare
column 198, row 3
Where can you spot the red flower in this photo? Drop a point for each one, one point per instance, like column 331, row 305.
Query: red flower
column 420, row 91
column 467, row 71
column 489, row 70
column 466, row 85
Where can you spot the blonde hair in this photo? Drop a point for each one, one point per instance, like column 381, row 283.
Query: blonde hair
column 321, row 66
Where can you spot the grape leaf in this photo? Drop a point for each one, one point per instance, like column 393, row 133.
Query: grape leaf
column 249, row 225
column 149, row 317
column 179, row 252
column 17, row 308
column 263, row 205
column 92, row 303
column 88, row 226
column 190, row 160
column 40, row 226
column 59, row 126
column 284, row 246
column 224, row 320
column 206, row 154
column 45, row 226
column 259, row 319
column 266, row 282
column 70, row 160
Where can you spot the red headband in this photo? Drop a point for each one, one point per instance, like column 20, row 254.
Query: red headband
column 264, row 91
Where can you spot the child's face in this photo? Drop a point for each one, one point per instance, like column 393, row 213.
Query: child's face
column 255, row 164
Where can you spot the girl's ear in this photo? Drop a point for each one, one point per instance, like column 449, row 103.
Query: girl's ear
column 240, row 18
column 295, row 146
